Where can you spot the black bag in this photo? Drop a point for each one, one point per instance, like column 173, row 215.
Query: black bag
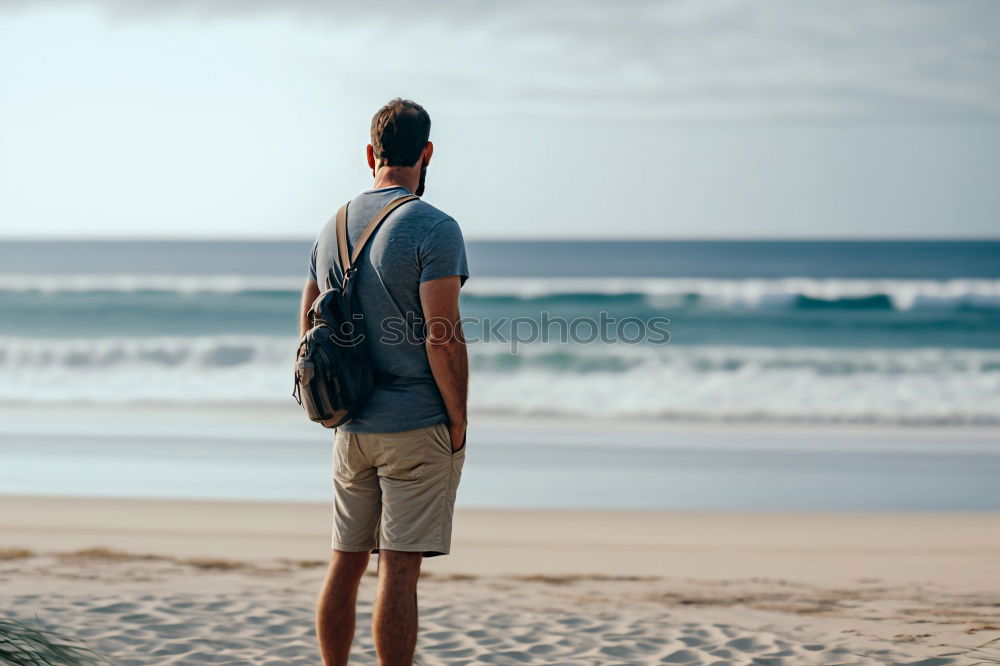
column 333, row 373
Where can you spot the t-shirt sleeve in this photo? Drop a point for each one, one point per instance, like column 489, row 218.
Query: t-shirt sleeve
column 312, row 262
column 442, row 252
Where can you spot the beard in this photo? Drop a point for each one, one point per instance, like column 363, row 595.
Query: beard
column 423, row 179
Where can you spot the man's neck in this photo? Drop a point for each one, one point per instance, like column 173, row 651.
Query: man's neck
column 405, row 177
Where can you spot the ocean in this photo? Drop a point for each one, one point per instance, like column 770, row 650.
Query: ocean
column 847, row 376
column 886, row 332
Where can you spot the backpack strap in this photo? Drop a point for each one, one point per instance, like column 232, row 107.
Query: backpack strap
column 347, row 259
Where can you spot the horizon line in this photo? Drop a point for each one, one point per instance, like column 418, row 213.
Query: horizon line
column 514, row 239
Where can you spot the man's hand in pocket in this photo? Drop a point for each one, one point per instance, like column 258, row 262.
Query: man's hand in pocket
column 457, row 432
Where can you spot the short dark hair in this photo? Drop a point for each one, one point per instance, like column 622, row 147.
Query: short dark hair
column 400, row 130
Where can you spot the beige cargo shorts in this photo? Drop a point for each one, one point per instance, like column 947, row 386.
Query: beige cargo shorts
column 395, row 490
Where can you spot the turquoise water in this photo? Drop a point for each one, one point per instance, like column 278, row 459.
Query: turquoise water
column 874, row 332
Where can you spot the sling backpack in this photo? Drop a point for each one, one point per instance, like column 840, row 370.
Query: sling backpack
column 334, row 376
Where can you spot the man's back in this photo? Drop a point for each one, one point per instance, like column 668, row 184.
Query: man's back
column 417, row 243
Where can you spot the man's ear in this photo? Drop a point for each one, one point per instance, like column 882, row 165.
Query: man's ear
column 370, row 153
column 428, row 151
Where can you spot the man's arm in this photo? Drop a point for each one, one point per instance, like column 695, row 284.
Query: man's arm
column 446, row 350
column 309, row 294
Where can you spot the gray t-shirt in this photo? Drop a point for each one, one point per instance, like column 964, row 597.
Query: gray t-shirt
column 417, row 243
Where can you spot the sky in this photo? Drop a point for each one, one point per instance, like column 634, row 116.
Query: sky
column 560, row 119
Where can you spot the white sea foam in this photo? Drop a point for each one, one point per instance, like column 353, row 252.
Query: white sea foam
column 126, row 283
column 904, row 294
column 757, row 384
column 673, row 381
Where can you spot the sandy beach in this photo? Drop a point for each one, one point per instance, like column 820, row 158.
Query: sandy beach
column 182, row 582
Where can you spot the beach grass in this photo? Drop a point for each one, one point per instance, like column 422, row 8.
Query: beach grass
column 25, row 645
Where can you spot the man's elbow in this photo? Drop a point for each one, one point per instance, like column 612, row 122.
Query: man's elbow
column 443, row 336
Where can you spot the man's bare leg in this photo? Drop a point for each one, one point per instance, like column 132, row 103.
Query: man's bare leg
column 394, row 622
column 335, row 609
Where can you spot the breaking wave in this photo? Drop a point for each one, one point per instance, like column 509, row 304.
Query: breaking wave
column 785, row 293
column 734, row 383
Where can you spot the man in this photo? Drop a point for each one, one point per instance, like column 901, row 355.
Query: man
column 397, row 464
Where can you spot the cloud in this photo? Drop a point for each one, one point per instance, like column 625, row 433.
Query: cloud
column 685, row 60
